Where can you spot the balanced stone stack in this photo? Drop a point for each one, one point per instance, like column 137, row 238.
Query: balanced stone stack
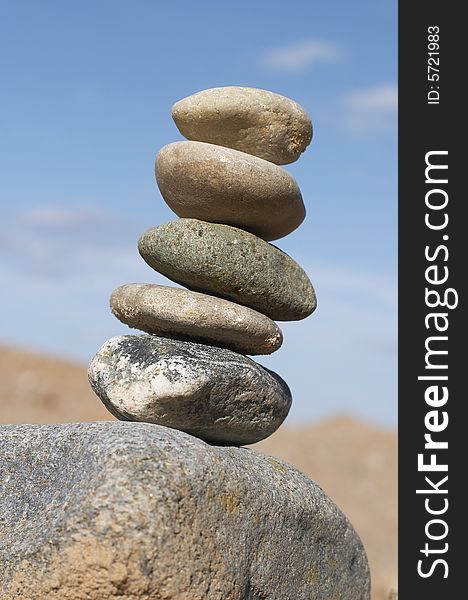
column 149, row 510
column 191, row 372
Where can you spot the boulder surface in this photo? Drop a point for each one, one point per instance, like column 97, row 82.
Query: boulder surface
column 134, row 511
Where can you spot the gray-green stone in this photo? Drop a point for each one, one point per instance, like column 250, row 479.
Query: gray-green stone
column 230, row 263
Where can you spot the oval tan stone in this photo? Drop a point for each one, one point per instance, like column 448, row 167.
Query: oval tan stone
column 184, row 315
column 221, row 185
column 259, row 122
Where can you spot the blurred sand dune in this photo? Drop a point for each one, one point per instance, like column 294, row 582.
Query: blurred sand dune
column 355, row 463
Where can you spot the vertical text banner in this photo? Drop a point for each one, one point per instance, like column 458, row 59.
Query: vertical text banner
column 433, row 268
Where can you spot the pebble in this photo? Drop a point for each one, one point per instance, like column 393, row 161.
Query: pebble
column 221, row 185
column 255, row 121
column 232, row 264
column 212, row 393
column 181, row 314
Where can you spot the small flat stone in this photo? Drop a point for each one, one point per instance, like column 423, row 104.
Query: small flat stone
column 230, row 263
column 212, row 393
column 134, row 511
column 180, row 314
column 255, row 121
column 221, row 185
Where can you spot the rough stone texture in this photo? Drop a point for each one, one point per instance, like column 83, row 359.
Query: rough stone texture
column 213, row 393
column 256, row 121
column 180, row 314
column 220, row 185
column 230, row 263
column 133, row 511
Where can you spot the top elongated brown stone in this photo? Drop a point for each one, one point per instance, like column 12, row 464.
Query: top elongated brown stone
column 255, row 121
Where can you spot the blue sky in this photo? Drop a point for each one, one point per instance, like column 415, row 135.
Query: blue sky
column 86, row 92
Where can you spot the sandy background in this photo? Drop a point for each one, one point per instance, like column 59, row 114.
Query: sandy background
column 355, row 463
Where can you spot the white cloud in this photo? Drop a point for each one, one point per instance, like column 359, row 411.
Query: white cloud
column 58, row 267
column 372, row 109
column 56, row 241
column 380, row 97
column 300, row 55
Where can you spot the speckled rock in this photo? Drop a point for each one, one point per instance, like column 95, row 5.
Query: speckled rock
column 132, row 511
column 256, row 121
column 220, row 185
column 180, row 314
column 212, row 393
column 230, row 263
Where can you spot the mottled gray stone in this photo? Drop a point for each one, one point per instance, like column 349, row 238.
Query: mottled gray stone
column 213, row 393
column 132, row 511
column 220, row 185
column 256, row 121
column 230, row 263
column 180, row 314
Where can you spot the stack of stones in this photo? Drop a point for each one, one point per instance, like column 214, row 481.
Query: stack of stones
column 119, row 510
column 192, row 373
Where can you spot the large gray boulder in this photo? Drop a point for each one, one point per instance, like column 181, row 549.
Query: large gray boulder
column 134, row 511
